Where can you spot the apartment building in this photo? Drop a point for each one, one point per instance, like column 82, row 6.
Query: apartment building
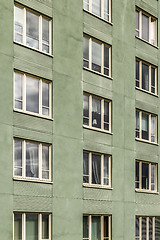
column 79, row 98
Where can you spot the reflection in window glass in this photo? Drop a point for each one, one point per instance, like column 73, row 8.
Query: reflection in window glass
column 45, row 98
column 31, row 226
column 45, row 226
column 137, row 74
column 145, row 176
column 106, row 9
column 85, row 167
column 137, row 175
column 45, row 162
column 106, row 60
column 157, row 228
column 106, row 170
column 18, row 24
column 145, row 27
column 45, row 35
column 32, row 94
column 18, row 83
column 85, row 227
column 17, row 226
column 145, row 76
column 17, row 158
column 86, row 5
column 96, row 169
column 86, row 52
column 32, row 30
column 96, row 228
column 96, row 112
column 144, row 232
column 153, row 31
column 96, row 56
column 145, row 126
column 85, row 109
column 96, row 7
column 137, row 23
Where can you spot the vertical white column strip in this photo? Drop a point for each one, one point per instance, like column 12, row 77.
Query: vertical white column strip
column 40, row 226
column 23, row 226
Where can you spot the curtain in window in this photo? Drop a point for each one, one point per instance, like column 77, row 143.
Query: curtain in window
column 157, row 228
column 32, row 160
column 96, row 112
column 96, row 169
column 96, row 228
column 85, row 167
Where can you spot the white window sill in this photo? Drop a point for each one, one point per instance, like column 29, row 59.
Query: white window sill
column 145, row 141
column 146, row 191
column 34, row 49
column 97, row 129
column 37, row 180
column 142, row 90
column 100, row 74
column 97, row 186
column 155, row 46
column 32, row 114
column 98, row 17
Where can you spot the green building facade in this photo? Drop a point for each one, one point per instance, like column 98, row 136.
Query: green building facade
column 70, row 105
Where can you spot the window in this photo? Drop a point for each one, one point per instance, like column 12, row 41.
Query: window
column 96, row 56
column 32, row 94
column 96, row 112
column 32, row 160
column 147, row 228
column 101, row 8
column 32, row 29
column 96, row 169
column 146, row 27
column 146, row 176
column 146, row 126
column 96, row 227
column 146, row 76
column 33, row 226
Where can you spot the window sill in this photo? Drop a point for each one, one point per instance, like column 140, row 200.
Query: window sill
column 98, row 17
column 34, row 49
column 155, row 46
column 32, row 114
column 100, row 74
column 97, row 129
column 142, row 90
column 32, row 180
column 146, row 191
column 145, row 141
column 97, row 186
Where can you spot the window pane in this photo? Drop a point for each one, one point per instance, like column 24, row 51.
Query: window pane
column 106, row 60
column 45, row 226
column 137, row 226
column 17, row 158
column 137, row 73
column 106, row 115
column 85, row 109
column 86, row 52
column 85, row 167
column 32, row 30
column 85, row 227
column 137, row 23
column 145, row 126
column 31, row 226
column 32, row 158
column 18, row 24
column 96, row 228
column 137, row 124
column 153, row 177
column 96, row 169
column 96, row 112
column 137, row 174
column 32, row 94
column 150, row 228
column 86, row 5
column 45, row 161
column 18, row 81
column 153, row 130
column 106, row 226
column 106, row 10
column 145, row 76
column 145, row 176
column 157, row 228
column 45, row 35
column 145, row 27
column 45, row 98
column 96, row 56
column 153, row 31
column 144, row 232
column 153, row 80
column 17, row 226
column 106, row 170
column 96, row 7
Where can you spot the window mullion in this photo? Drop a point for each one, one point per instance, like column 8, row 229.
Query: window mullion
column 147, row 228
column 140, row 175
column 50, row 164
column 50, row 226
column 153, row 229
column 140, row 74
column 102, row 58
column 50, row 37
column 140, row 227
column 102, row 113
column 109, row 159
column 23, row 226
column 24, row 159
column 149, row 127
column 39, row 226
column 102, row 171
column 90, row 227
column 40, row 161
column 90, row 53
column 40, row 96
column 140, row 24
column 149, row 176
column 156, row 80
column 140, row 124
column 149, row 78
column 110, row 62
column 110, row 117
column 24, row 26
column 102, row 9
column 149, row 29
column 110, row 10
column 102, row 227
column 90, row 168
column 24, row 92
column 155, row 177
column 90, row 5
column 40, row 33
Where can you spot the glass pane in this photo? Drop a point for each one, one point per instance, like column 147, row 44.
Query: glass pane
column 96, row 112
column 96, row 7
column 106, row 60
column 137, row 124
column 17, row 171
column 32, row 30
column 137, row 174
column 145, row 76
column 153, row 80
column 85, row 167
column 150, row 228
column 96, row 228
column 106, row 170
column 153, row 180
column 45, row 226
column 153, row 129
column 137, row 73
column 18, row 158
column 137, row 23
column 45, row 35
column 106, row 115
column 96, row 56
column 45, row 157
column 32, row 160
column 85, row 227
column 145, row 176
column 45, row 97
column 86, row 5
column 153, row 31
column 17, row 226
column 106, row 10
column 157, row 228
column 85, row 52
column 31, row 226
column 145, row 126
column 18, row 24
column 144, row 232
column 137, row 227
column 45, row 174
column 145, row 27
column 85, row 109
column 32, row 94
column 96, row 169
column 18, row 81
column 106, row 226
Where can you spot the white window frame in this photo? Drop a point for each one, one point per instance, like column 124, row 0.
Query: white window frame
column 40, row 29
column 147, row 227
column 102, row 226
column 39, row 224
column 102, row 56
column 140, row 26
column 23, row 177
column 102, row 113
column 140, row 177
column 24, row 75
column 102, row 170
column 102, row 9
column 140, row 76
column 140, row 126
